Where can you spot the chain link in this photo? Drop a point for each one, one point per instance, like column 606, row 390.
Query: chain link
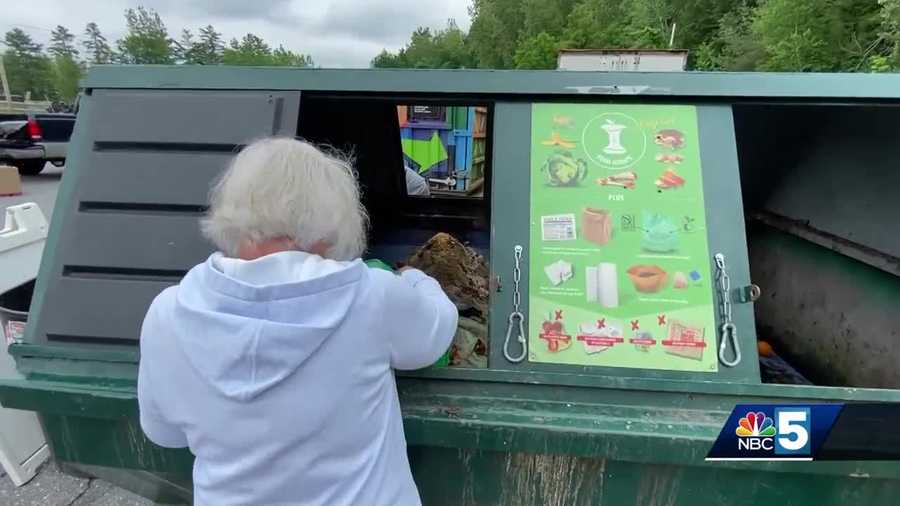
column 517, row 277
column 516, row 318
column 728, row 328
column 724, row 288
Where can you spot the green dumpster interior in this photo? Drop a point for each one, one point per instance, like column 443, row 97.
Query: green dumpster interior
column 797, row 172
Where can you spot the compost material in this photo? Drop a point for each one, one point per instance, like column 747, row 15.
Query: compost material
column 463, row 274
column 775, row 369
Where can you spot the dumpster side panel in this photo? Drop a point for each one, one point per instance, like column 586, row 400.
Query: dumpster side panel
column 849, row 329
column 494, row 443
column 478, row 478
column 473, row 477
column 831, row 168
column 112, row 443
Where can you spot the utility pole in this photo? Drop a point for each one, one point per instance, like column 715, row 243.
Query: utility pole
column 5, row 84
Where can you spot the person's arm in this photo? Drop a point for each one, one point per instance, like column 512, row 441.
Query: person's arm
column 153, row 422
column 416, row 185
column 420, row 320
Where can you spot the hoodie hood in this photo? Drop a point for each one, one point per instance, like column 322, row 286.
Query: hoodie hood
column 247, row 325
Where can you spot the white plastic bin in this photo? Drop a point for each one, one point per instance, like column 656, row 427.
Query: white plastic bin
column 22, row 445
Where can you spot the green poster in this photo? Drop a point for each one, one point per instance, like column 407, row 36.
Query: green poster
column 619, row 262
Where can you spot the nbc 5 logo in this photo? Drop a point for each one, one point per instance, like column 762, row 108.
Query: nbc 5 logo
column 787, row 433
column 793, row 431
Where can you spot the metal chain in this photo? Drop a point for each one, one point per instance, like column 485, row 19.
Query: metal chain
column 517, row 277
column 724, row 287
column 728, row 328
column 516, row 318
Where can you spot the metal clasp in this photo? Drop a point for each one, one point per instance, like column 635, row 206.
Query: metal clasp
column 729, row 334
column 512, row 322
column 516, row 318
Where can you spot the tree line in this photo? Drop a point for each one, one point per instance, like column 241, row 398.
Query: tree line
column 53, row 73
column 726, row 35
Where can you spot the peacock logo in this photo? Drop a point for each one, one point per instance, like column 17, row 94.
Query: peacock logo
column 755, row 425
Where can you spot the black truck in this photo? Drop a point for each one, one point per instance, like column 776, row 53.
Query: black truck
column 29, row 140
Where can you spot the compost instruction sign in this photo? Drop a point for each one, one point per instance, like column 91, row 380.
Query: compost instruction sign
column 620, row 271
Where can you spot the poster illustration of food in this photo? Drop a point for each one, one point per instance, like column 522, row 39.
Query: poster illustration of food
column 619, row 262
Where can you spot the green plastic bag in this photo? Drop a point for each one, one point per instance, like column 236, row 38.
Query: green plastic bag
column 378, row 264
column 375, row 263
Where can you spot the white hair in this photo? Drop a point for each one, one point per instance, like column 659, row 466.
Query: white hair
column 285, row 188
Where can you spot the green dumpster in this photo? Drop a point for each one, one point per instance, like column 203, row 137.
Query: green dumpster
column 613, row 210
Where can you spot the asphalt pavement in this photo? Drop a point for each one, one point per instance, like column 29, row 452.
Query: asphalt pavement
column 51, row 487
column 40, row 189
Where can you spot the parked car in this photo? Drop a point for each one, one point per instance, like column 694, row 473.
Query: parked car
column 30, row 140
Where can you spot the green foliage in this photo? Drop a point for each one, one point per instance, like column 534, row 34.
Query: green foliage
column 62, row 42
column 209, row 49
column 650, row 23
column 27, row 69
column 494, row 35
column 880, row 64
column 388, row 60
column 815, row 35
column 793, row 33
column 66, row 75
column 889, row 32
column 252, row 50
column 283, row 58
column 538, row 52
column 445, row 48
column 182, row 48
column 750, row 35
column 66, row 70
column 545, row 16
column 596, row 25
column 733, row 46
column 95, row 45
column 20, row 44
column 147, row 40
column 56, row 74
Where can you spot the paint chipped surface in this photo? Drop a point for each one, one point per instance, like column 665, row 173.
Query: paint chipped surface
column 659, row 486
column 552, row 480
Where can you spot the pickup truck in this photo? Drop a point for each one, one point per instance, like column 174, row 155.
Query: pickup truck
column 30, row 140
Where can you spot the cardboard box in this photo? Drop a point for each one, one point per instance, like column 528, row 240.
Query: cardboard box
column 10, row 182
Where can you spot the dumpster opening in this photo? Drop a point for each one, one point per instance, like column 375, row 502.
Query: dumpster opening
column 816, row 182
column 424, row 170
column 14, row 306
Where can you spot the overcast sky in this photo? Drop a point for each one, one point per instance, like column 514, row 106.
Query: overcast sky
column 337, row 33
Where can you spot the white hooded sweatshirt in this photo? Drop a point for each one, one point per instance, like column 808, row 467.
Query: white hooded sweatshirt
column 277, row 374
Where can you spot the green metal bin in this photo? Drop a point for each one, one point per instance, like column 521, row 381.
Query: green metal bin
column 786, row 176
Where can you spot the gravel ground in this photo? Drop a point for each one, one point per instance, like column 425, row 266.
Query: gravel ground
column 53, row 488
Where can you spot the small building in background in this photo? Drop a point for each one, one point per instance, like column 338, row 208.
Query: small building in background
column 623, row 60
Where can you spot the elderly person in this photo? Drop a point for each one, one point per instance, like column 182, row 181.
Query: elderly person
column 272, row 361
